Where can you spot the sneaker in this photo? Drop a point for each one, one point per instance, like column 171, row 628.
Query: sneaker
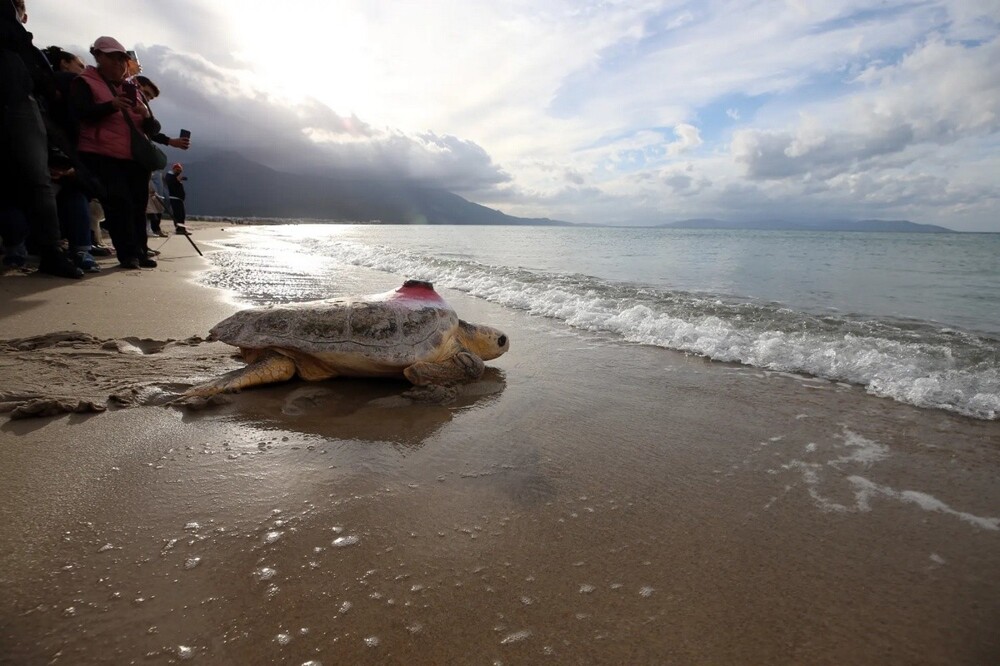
column 86, row 262
column 146, row 262
column 100, row 251
column 128, row 263
column 161, row 234
column 152, row 253
column 55, row 262
column 182, row 231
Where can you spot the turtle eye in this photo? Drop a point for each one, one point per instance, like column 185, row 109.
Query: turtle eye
column 502, row 341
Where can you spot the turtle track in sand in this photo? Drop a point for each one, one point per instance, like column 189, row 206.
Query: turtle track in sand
column 74, row 372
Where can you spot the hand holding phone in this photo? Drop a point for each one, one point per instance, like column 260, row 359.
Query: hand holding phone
column 183, row 141
column 131, row 92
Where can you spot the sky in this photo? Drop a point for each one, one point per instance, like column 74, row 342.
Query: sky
column 603, row 111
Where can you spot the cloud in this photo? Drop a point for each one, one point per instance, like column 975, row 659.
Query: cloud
column 688, row 138
column 590, row 110
column 939, row 94
column 224, row 109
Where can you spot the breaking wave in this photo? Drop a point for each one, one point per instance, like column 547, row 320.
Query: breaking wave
column 910, row 361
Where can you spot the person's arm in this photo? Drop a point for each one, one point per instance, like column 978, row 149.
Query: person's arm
column 151, row 126
column 81, row 101
column 165, row 140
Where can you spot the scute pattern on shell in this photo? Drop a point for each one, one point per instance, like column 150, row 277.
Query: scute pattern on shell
column 371, row 324
column 381, row 330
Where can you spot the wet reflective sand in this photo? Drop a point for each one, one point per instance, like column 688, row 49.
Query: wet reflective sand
column 588, row 502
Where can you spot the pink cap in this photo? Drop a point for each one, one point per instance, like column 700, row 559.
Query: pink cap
column 109, row 45
column 177, row 167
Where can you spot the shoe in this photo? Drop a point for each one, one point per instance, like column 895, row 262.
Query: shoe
column 146, row 262
column 55, row 262
column 161, row 234
column 100, row 251
column 87, row 263
column 183, row 231
column 152, row 253
column 128, row 263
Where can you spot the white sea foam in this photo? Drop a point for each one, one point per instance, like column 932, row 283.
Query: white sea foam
column 865, row 490
column 923, row 373
column 345, row 541
column 858, row 452
column 516, row 637
column 927, row 367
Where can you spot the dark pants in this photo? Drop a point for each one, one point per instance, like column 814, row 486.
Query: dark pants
column 26, row 164
column 126, row 187
column 14, row 231
column 177, row 212
column 74, row 216
column 154, row 221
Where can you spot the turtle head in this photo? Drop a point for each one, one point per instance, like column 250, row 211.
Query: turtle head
column 484, row 341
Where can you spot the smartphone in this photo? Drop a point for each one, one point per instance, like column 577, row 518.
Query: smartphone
column 185, row 134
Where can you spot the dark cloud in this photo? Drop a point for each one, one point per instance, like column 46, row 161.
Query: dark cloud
column 225, row 113
column 770, row 155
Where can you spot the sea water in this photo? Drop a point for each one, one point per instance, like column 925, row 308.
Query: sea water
column 913, row 317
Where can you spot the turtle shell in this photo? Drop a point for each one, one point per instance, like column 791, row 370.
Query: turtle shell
column 397, row 327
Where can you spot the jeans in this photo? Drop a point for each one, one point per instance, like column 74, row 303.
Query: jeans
column 74, row 214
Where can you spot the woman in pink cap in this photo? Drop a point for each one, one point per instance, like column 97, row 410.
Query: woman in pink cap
column 102, row 98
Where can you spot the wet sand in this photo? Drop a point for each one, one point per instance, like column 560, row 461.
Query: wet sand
column 586, row 502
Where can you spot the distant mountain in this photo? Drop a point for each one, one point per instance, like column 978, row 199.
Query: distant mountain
column 231, row 185
column 820, row 225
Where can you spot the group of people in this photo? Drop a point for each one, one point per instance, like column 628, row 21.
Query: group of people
column 76, row 154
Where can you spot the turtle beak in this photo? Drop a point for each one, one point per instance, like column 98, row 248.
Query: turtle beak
column 484, row 341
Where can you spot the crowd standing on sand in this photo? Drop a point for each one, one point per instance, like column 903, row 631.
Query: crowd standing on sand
column 77, row 155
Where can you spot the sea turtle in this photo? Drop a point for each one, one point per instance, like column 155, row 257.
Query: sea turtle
column 410, row 332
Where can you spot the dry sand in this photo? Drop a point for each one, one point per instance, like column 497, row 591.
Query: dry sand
column 586, row 502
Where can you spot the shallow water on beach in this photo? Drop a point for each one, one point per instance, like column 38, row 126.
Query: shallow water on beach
column 590, row 500
column 549, row 514
column 911, row 317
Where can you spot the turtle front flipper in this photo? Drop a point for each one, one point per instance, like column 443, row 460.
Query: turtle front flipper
column 269, row 368
column 460, row 367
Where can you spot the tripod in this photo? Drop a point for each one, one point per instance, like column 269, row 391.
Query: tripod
column 188, row 236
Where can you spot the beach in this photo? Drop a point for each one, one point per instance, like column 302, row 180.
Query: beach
column 588, row 500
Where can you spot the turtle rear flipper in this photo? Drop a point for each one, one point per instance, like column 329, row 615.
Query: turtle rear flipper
column 269, row 368
column 460, row 367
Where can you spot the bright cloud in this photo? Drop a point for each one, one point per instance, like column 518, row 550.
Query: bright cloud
column 593, row 111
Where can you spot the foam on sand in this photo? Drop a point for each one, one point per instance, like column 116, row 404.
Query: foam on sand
column 863, row 453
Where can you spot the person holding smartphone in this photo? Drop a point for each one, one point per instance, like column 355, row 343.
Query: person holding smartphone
column 151, row 91
column 106, row 104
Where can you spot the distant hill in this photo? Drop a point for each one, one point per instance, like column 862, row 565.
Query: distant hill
column 818, row 225
column 231, row 185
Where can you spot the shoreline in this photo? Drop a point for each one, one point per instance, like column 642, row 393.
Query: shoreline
column 587, row 501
